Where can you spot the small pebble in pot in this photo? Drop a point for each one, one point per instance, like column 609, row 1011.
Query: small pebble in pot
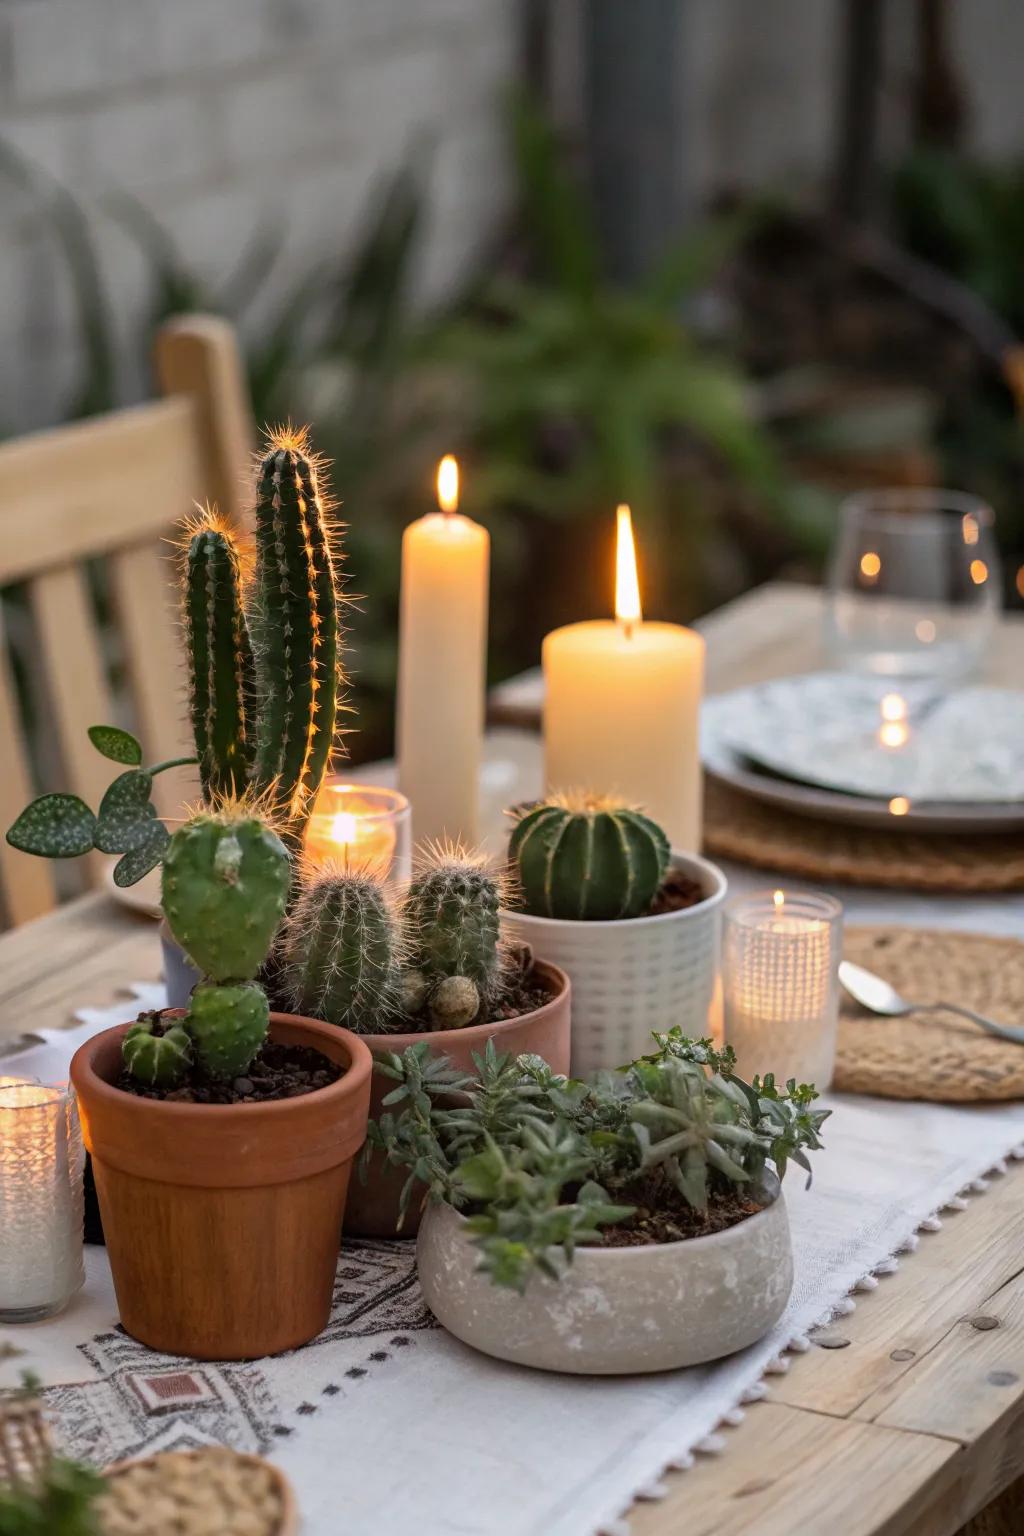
column 453, row 1003
column 244, row 1085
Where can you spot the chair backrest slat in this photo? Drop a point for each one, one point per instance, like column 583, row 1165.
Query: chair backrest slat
column 112, row 489
column 27, row 885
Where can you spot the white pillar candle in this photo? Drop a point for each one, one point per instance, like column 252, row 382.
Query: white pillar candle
column 41, row 1163
column 622, row 707
column 442, row 666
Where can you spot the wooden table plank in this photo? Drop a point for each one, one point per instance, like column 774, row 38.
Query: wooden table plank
column 895, row 1328
column 787, row 1472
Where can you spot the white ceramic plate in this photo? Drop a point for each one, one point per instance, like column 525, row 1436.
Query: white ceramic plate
column 723, row 762
column 857, row 735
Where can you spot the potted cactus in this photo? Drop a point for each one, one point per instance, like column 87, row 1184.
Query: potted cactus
column 264, row 668
column 222, row 1137
column 632, row 1223
column 430, row 965
column 599, row 892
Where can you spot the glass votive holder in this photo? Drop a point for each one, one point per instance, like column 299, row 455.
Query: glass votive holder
column 41, row 1164
column 780, row 981
column 358, row 827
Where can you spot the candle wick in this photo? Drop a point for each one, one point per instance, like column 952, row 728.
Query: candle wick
column 628, row 626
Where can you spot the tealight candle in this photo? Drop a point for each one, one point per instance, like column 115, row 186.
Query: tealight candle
column 41, row 1165
column 622, row 701
column 442, row 656
column 780, row 967
column 361, row 827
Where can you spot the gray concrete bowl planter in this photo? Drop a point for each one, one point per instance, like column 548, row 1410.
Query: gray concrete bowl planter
column 617, row 1311
column 633, row 975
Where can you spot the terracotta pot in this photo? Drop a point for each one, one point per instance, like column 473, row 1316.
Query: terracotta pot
column 617, row 1311
column 373, row 1206
column 633, row 975
column 222, row 1221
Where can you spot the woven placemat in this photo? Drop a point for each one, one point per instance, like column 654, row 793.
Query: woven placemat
column 933, row 1056
column 737, row 827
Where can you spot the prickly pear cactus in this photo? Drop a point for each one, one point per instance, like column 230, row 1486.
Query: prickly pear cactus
column 450, row 920
column 342, row 954
column 227, row 1025
column 294, row 625
column 220, row 660
column 159, row 1061
column 587, row 859
column 225, row 885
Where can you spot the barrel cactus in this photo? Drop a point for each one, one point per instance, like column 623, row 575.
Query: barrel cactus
column 160, row 1061
column 341, row 949
column 225, row 884
column 450, row 920
column 583, row 858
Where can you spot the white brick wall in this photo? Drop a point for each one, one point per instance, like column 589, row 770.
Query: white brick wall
column 228, row 115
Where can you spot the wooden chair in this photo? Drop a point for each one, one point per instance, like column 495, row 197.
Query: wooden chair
column 109, row 490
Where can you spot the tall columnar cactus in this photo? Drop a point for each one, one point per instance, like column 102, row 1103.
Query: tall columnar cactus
column 583, row 858
column 342, row 953
column 265, row 673
column 221, row 693
column 450, row 920
column 295, row 628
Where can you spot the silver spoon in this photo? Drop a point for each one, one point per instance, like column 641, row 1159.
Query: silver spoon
column 879, row 997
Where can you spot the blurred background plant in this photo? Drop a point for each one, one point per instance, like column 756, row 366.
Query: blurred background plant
column 730, row 372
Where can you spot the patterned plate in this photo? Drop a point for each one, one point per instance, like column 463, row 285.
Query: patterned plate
column 724, row 763
column 854, row 734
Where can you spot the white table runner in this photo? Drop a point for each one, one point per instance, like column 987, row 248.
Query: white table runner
column 387, row 1425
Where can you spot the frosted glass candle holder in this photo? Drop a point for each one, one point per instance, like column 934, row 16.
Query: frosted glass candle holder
column 358, row 826
column 41, row 1165
column 780, row 982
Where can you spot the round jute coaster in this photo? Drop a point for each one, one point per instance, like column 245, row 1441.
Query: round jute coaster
column 933, row 1056
column 736, row 827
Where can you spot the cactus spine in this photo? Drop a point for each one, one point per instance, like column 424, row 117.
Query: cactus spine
column 583, row 858
column 294, row 627
column 160, row 1061
column 450, row 921
column 225, row 884
column 341, row 951
column 220, row 656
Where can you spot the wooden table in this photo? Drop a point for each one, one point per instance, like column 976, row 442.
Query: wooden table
column 911, row 1426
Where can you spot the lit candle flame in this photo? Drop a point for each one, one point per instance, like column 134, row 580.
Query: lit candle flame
column 448, row 483
column 894, row 707
column 627, row 588
column 344, row 828
column 899, row 805
column 778, row 898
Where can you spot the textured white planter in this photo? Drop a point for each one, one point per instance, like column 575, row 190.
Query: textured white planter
column 633, row 975
column 617, row 1310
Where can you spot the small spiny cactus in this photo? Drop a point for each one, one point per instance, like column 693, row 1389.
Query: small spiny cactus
column 160, row 1061
column 580, row 857
column 227, row 1024
column 226, row 878
column 450, row 920
column 342, row 953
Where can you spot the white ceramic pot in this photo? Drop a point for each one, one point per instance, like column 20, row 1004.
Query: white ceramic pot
column 617, row 1311
column 633, row 975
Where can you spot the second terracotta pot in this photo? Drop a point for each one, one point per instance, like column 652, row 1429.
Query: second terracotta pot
column 222, row 1221
column 373, row 1205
